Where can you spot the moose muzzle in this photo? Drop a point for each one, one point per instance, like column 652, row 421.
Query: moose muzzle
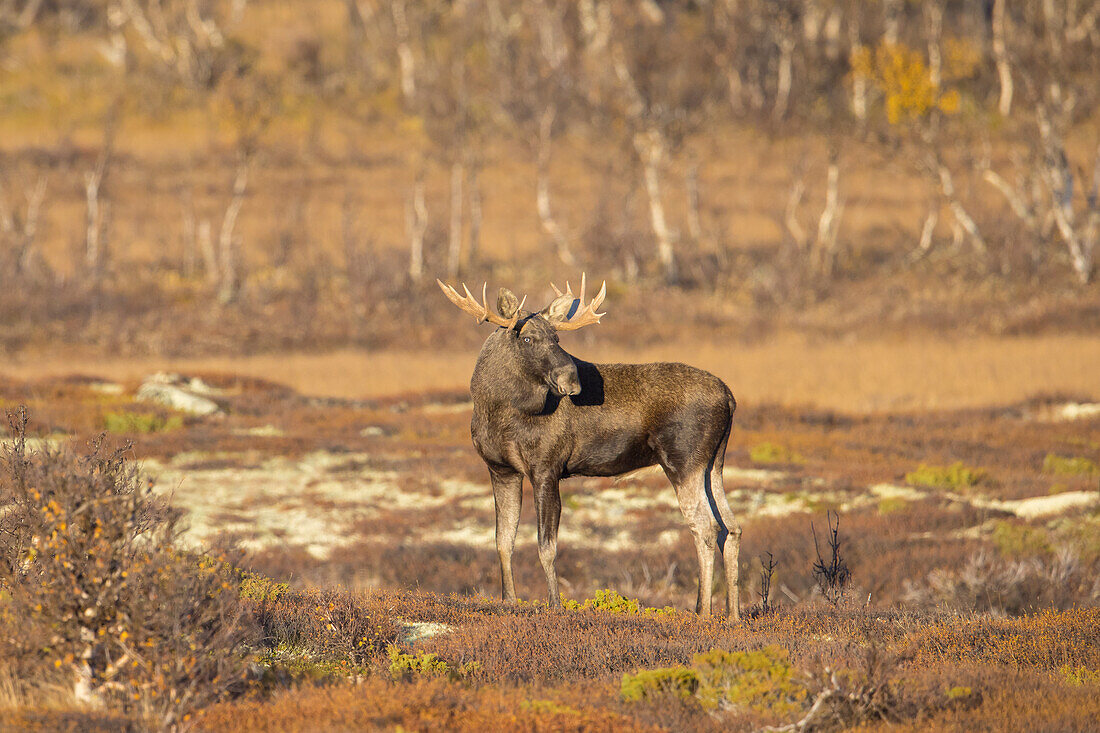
column 565, row 381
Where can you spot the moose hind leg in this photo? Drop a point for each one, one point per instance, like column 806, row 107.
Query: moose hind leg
column 692, row 496
column 548, row 515
column 508, row 496
column 729, row 538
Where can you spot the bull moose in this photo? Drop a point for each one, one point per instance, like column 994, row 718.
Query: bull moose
column 541, row 413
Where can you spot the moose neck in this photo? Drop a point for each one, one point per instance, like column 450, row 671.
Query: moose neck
column 499, row 381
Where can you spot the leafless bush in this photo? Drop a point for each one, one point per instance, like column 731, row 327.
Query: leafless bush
column 848, row 698
column 1011, row 586
column 833, row 577
column 98, row 594
column 766, row 571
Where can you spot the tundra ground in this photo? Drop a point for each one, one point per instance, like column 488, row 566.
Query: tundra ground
column 971, row 536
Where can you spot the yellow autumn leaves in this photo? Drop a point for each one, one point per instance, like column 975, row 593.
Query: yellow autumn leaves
column 909, row 88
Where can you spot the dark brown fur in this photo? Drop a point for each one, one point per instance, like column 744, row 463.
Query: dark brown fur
column 543, row 414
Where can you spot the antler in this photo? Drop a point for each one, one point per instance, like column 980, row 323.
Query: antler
column 480, row 311
column 586, row 314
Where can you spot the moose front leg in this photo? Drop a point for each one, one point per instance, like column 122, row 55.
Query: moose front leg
column 548, row 514
column 508, row 496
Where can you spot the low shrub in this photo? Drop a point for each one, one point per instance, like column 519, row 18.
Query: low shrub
column 676, row 681
column 426, row 664
column 833, row 576
column 1047, row 640
column 867, row 691
column 1079, row 676
column 137, row 422
column 258, row 587
column 96, row 593
column 1015, row 540
column 958, row 693
column 761, row 680
column 1069, row 466
column 774, row 453
column 958, row 476
column 612, row 601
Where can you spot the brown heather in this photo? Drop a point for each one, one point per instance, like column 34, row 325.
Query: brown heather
column 548, row 671
column 974, row 620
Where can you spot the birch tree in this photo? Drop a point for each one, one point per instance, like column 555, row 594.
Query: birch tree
column 657, row 74
column 1053, row 49
column 538, row 53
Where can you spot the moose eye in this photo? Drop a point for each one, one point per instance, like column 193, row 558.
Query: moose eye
column 526, row 339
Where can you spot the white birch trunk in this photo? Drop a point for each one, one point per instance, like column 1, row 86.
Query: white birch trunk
column 832, row 33
column 22, row 230
column 189, row 235
column 933, row 14
column 828, row 226
column 95, row 215
column 550, row 225
column 228, row 245
column 784, row 77
column 416, row 222
column 405, row 58
column 454, row 244
column 651, row 150
column 891, row 10
column 859, row 81
column 1000, row 55
column 790, row 214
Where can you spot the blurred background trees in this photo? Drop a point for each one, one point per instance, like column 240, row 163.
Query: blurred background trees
column 224, row 161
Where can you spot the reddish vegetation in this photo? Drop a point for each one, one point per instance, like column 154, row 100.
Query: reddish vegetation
column 323, row 659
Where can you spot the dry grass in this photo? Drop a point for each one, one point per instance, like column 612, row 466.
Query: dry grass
column 875, row 374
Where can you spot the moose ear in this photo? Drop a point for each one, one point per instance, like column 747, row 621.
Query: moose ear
column 507, row 303
column 561, row 309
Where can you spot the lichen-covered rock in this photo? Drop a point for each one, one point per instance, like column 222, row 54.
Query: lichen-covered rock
column 185, row 395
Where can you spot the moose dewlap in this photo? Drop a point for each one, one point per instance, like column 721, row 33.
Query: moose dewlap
column 544, row 414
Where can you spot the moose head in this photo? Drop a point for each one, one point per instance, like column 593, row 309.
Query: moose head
column 532, row 338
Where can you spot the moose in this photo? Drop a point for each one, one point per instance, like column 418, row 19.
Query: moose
column 543, row 414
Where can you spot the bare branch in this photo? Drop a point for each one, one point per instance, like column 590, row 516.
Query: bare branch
column 924, row 245
column 962, row 218
column 227, row 244
column 1000, row 54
